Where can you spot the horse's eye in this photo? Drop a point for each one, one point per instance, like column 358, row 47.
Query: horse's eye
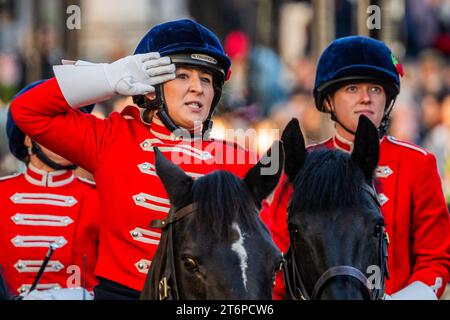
column 190, row 264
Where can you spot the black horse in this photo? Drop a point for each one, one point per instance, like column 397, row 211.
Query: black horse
column 214, row 244
column 338, row 243
column 4, row 292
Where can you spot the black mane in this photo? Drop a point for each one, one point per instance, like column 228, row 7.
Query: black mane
column 329, row 180
column 222, row 198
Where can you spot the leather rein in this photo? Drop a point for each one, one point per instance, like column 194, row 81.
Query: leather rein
column 167, row 287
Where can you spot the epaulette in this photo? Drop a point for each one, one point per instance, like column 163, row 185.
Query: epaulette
column 10, row 176
column 86, row 180
column 407, row 145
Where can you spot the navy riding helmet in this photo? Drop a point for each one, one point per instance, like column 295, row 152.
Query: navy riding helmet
column 186, row 42
column 16, row 136
column 357, row 59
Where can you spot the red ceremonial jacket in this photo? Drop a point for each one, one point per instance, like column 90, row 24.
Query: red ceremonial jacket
column 39, row 208
column 118, row 151
column 414, row 209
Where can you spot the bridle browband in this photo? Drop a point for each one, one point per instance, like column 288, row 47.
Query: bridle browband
column 295, row 287
column 166, row 287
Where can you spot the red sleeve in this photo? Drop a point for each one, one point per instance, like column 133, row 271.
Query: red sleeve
column 279, row 291
column 44, row 115
column 87, row 237
column 431, row 228
column 278, row 227
column 278, row 214
column 265, row 214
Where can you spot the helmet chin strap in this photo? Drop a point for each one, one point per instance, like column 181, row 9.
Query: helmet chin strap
column 163, row 115
column 386, row 118
column 36, row 149
column 382, row 129
column 335, row 118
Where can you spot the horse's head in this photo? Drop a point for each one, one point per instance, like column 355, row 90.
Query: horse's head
column 221, row 248
column 334, row 219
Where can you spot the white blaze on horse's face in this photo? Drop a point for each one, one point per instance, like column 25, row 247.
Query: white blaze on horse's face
column 238, row 247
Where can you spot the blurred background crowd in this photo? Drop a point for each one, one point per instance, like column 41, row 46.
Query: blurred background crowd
column 274, row 46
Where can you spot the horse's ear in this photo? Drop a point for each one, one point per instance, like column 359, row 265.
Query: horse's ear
column 177, row 183
column 263, row 177
column 366, row 151
column 294, row 148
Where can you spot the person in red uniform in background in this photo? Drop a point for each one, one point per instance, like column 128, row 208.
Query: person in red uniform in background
column 47, row 204
column 358, row 75
column 175, row 77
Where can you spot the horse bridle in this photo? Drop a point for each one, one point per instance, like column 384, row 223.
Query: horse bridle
column 293, row 279
column 167, row 287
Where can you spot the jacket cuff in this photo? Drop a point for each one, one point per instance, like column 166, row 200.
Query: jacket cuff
column 83, row 83
column 415, row 291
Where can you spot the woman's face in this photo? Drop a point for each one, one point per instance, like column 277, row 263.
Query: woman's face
column 353, row 100
column 189, row 96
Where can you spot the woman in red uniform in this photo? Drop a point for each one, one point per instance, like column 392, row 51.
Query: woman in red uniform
column 176, row 77
column 46, row 205
column 359, row 75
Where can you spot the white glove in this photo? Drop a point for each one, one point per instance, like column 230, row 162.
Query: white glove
column 59, row 294
column 85, row 83
column 415, row 291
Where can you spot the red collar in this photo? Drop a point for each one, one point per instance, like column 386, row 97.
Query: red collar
column 48, row 179
column 343, row 144
column 160, row 131
column 157, row 128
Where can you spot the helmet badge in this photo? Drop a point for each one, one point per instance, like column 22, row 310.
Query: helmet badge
column 203, row 57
